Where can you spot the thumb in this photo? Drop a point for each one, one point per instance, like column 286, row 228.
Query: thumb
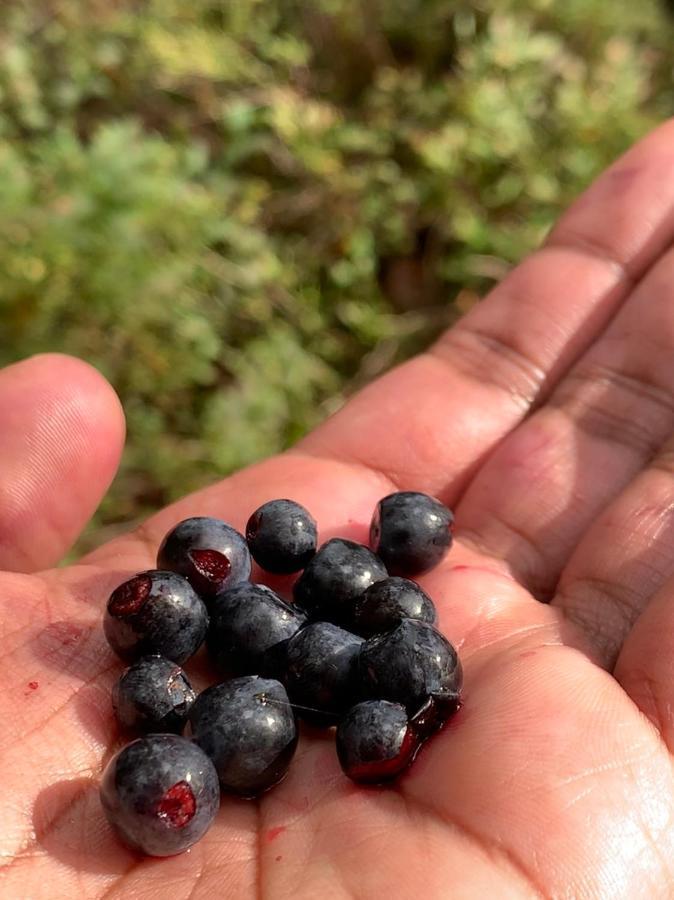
column 61, row 437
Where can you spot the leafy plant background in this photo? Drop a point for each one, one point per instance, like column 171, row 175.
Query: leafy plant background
column 242, row 211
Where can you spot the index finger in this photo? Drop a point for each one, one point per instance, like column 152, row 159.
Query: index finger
column 429, row 422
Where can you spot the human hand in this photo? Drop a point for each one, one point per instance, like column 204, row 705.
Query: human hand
column 544, row 417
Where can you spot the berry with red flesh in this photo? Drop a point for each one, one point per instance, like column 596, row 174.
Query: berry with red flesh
column 155, row 613
column 375, row 741
column 211, row 554
column 160, row 794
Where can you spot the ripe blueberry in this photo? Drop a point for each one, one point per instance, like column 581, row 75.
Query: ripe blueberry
column 335, row 577
column 155, row 612
column 375, row 741
column 385, row 603
column 161, row 794
column 411, row 532
column 322, row 672
column 282, row 536
column 249, row 628
column 153, row 695
column 247, row 727
column 209, row 553
column 414, row 665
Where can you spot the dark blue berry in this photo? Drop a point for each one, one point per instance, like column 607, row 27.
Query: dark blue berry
column 385, row 603
column 414, row 665
column 335, row 577
column 247, row 727
column 249, row 628
column 375, row 741
column 411, row 532
column 155, row 612
column 282, row 536
column 209, row 553
column 153, row 695
column 161, row 794
column 322, row 672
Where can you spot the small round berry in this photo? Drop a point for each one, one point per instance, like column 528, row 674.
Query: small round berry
column 160, row 794
column 385, row 603
column 335, row 578
column 413, row 664
column 411, row 532
column 152, row 695
column 322, row 672
column 155, row 613
column 209, row 553
column 375, row 741
column 282, row 536
column 247, row 727
column 250, row 626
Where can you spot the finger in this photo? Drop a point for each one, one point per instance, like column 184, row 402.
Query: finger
column 623, row 559
column 645, row 667
column 548, row 480
column 60, row 444
column 429, row 422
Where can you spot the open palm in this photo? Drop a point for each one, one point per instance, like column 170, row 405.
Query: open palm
column 544, row 418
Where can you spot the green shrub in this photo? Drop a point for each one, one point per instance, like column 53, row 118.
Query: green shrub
column 241, row 211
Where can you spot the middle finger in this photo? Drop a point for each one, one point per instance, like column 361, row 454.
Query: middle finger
column 607, row 418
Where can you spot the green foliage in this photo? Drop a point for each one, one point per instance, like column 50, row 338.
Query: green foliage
column 241, row 211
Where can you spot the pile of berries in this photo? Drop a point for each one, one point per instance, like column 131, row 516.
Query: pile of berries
column 357, row 648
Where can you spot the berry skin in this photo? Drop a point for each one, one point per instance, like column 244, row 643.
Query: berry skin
column 212, row 555
column 414, row 665
column 322, row 672
column 335, row 577
column 153, row 695
column 247, row 727
column 250, row 626
column 160, row 794
column 155, row 613
column 385, row 603
column 411, row 532
column 375, row 741
column 282, row 536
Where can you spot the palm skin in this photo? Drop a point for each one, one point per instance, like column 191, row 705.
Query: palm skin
column 543, row 417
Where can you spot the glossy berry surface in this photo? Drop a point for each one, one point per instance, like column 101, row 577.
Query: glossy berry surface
column 416, row 666
column 161, row 794
column 411, row 532
column 322, row 672
column 209, row 553
column 249, row 627
column 375, row 741
column 247, row 727
column 385, row 603
column 282, row 536
column 152, row 695
column 335, row 577
column 155, row 613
